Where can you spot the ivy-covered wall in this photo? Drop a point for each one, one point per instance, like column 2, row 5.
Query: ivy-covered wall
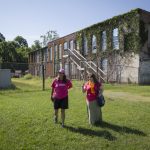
column 131, row 34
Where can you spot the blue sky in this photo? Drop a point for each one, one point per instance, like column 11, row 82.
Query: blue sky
column 33, row 18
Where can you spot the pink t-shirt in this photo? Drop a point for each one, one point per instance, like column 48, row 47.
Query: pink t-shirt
column 61, row 88
column 91, row 96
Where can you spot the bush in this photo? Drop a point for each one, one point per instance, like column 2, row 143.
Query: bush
column 28, row 76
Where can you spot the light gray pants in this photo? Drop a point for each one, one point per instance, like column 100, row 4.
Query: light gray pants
column 94, row 112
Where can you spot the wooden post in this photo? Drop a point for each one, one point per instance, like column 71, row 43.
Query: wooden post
column 43, row 77
column 43, row 71
column 69, row 66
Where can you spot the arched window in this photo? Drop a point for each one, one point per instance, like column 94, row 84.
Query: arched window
column 46, row 54
column 115, row 39
column 85, row 45
column 51, row 53
column 45, row 59
column 71, row 45
column 65, row 46
column 77, row 45
column 94, row 44
column 149, row 36
column 56, row 53
column 104, row 65
column 60, row 51
column 104, row 41
column 38, row 56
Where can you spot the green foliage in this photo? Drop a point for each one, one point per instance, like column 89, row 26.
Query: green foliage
column 36, row 45
column 22, row 54
column 130, row 42
column 128, row 25
column 2, row 38
column 8, row 51
column 21, row 41
column 14, row 51
column 27, row 76
column 143, row 33
column 48, row 37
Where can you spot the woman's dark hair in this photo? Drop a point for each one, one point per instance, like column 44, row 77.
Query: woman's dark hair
column 94, row 78
column 64, row 79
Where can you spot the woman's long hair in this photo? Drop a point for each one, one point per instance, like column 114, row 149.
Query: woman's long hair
column 64, row 79
column 94, row 78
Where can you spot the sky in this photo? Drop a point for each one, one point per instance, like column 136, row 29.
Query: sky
column 33, row 18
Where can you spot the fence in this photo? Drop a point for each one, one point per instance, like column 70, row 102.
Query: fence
column 17, row 69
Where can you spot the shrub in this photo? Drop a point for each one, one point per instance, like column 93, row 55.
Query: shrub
column 28, row 76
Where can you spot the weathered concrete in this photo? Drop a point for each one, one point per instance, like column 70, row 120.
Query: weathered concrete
column 5, row 78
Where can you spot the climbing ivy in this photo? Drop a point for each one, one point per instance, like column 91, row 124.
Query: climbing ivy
column 143, row 33
column 129, row 27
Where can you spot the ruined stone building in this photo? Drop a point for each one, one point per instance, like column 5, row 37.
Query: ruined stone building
column 116, row 50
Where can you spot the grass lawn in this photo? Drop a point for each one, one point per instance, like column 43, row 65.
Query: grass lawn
column 26, row 119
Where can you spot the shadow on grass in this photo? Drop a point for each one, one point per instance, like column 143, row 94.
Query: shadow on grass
column 121, row 129
column 11, row 87
column 20, row 90
column 105, row 134
column 25, row 87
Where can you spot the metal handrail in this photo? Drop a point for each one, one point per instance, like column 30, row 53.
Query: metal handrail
column 98, row 67
column 90, row 61
column 86, row 62
column 80, row 54
column 73, row 53
column 75, row 63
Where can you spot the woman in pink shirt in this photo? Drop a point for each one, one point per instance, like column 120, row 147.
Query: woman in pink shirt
column 92, row 87
column 59, row 94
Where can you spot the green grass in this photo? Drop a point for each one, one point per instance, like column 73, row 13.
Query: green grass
column 26, row 119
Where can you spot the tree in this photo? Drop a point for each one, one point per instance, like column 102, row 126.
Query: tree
column 8, row 51
column 14, row 54
column 22, row 54
column 22, row 50
column 36, row 45
column 21, row 41
column 2, row 38
column 50, row 36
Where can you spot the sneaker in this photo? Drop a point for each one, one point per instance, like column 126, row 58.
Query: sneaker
column 62, row 125
column 55, row 120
